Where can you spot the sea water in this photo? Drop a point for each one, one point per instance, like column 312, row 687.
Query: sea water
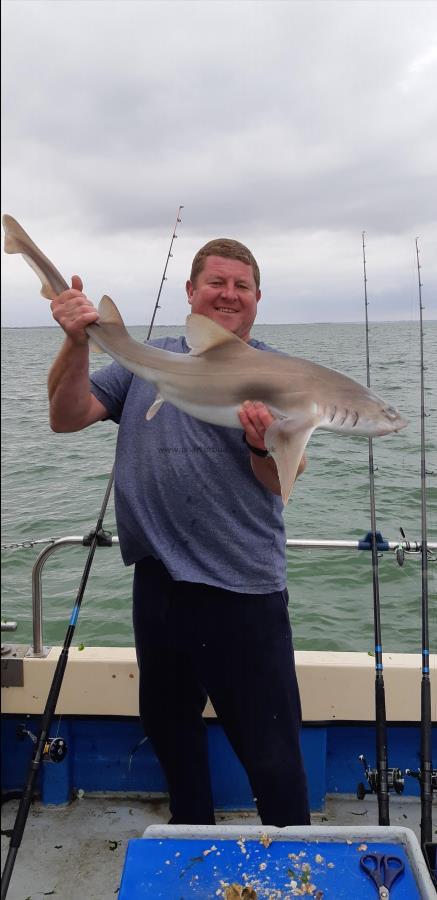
column 53, row 486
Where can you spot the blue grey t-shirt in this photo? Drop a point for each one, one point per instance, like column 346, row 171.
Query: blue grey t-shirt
column 185, row 492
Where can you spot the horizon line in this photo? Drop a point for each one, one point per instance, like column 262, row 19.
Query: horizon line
column 255, row 324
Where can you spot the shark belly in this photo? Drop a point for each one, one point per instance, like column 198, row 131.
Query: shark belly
column 226, row 416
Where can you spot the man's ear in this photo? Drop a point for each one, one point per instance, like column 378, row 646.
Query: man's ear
column 258, row 296
column 189, row 289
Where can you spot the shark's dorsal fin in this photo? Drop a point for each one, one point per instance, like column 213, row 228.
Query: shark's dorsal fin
column 203, row 334
column 108, row 312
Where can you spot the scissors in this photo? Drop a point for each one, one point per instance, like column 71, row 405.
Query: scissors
column 383, row 870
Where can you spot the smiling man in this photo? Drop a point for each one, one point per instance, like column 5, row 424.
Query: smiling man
column 200, row 516
column 225, row 288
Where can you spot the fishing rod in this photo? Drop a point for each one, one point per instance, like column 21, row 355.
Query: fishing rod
column 378, row 779
column 46, row 749
column 164, row 274
column 426, row 776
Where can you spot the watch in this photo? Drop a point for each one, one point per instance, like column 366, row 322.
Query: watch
column 256, row 450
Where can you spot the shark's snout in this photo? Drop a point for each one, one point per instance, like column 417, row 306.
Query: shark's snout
column 401, row 423
column 394, row 416
column 394, row 421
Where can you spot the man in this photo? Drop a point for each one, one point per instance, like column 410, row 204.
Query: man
column 199, row 514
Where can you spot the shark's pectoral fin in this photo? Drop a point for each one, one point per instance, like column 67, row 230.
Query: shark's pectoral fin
column 287, row 445
column 155, row 407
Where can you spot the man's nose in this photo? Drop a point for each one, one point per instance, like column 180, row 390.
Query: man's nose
column 229, row 290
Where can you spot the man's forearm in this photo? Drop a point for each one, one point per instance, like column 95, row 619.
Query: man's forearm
column 266, row 472
column 69, row 388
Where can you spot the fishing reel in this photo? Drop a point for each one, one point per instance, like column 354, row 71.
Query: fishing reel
column 409, row 547
column 55, row 749
column 418, row 774
column 395, row 780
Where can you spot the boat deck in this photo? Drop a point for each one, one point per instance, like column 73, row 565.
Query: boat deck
column 78, row 850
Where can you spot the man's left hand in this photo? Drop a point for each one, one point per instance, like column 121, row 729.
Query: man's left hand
column 255, row 419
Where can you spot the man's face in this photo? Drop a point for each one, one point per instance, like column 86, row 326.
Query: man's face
column 226, row 292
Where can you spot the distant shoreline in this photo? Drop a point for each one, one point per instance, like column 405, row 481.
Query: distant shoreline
column 257, row 324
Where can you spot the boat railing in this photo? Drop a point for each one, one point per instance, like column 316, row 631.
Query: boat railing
column 108, row 540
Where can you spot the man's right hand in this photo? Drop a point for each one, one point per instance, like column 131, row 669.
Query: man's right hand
column 72, row 405
column 73, row 312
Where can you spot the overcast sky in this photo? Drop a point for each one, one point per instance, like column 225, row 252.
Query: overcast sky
column 291, row 126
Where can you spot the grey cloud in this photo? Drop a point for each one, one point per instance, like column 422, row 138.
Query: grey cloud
column 300, row 118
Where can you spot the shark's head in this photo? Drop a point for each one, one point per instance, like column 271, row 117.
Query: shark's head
column 351, row 408
column 377, row 418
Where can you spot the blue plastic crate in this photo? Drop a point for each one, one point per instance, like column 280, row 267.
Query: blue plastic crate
column 183, row 862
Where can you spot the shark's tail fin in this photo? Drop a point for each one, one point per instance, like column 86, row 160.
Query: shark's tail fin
column 15, row 236
column 18, row 241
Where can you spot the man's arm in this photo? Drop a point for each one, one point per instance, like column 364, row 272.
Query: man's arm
column 72, row 405
column 255, row 419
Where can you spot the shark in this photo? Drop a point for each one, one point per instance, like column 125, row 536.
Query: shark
column 222, row 371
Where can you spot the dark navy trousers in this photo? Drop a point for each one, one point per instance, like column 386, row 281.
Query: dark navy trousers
column 195, row 641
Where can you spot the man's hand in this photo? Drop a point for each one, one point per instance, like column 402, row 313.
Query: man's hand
column 73, row 311
column 255, row 419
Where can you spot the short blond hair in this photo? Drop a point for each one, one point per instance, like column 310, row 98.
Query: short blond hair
column 228, row 248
